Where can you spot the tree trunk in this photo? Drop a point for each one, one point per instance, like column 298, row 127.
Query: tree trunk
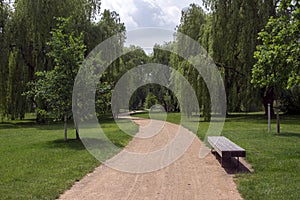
column 65, row 127
column 277, row 117
column 75, row 121
column 227, row 86
column 77, row 131
column 77, row 134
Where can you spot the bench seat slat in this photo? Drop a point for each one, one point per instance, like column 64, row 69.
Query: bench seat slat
column 226, row 148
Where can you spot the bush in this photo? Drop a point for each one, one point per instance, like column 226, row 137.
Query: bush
column 151, row 100
column 291, row 101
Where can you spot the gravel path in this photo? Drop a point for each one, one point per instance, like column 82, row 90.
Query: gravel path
column 188, row 178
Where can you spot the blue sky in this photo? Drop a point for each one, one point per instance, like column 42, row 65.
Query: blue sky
column 149, row 13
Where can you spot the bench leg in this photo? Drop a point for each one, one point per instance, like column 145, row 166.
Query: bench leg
column 216, row 154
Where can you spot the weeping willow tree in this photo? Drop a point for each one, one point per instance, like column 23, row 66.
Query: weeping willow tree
column 29, row 31
column 5, row 14
column 236, row 24
column 193, row 24
column 228, row 32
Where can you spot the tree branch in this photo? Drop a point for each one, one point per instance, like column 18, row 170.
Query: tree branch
column 220, row 65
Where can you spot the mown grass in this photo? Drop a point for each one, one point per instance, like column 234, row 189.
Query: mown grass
column 275, row 158
column 35, row 162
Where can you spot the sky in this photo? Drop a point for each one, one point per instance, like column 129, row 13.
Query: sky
column 136, row 14
column 149, row 13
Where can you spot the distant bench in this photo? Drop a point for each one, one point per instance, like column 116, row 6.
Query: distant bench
column 226, row 148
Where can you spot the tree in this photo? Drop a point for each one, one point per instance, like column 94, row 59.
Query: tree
column 5, row 14
column 150, row 101
column 27, row 31
column 235, row 25
column 165, row 97
column 134, row 56
column 278, row 58
column 195, row 24
column 55, row 87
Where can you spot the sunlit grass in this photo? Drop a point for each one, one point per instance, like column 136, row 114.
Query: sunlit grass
column 275, row 158
column 35, row 162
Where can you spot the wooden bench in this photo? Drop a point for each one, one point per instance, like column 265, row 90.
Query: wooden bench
column 226, row 148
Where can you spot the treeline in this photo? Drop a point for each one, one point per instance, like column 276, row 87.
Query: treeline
column 34, row 50
column 26, row 28
column 231, row 33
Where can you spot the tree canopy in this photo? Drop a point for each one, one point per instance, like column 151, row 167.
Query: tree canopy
column 253, row 43
column 278, row 57
column 55, row 87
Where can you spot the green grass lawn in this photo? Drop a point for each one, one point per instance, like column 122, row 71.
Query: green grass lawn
column 35, row 162
column 275, row 158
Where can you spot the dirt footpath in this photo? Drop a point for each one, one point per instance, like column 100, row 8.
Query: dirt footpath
column 188, row 178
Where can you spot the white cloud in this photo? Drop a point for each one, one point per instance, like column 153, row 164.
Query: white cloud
column 124, row 8
column 149, row 13
column 137, row 14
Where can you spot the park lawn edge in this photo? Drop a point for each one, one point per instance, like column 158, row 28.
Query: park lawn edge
column 36, row 163
column 275, row 158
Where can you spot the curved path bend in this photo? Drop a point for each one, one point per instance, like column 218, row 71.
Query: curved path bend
column 188, row 178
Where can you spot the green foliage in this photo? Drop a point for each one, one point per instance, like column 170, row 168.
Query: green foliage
column 17, row 78
column 195, row 24
column 278, row 58
column 103, row 98
column 162, row 54
column 132, row 57
column 24, row 33
column 54, row 88
column 42, row 115
column 165, row 97
column 290, row 101
column 228, row 33
column 108, row 26
column 5, row 15
column 151, row 100
column 234, row 29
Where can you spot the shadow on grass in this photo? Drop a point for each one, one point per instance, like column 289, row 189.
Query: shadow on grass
column 53, row 126
column 290, row 119
column 98, row 147
column 61, row 144
column 93, row 143
column 96, row 143
column 33, row 124
column 49, row 125
column 232, row 165
column 249, row 118
column 287, row 135
column 12, row 124
column 262, row 119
